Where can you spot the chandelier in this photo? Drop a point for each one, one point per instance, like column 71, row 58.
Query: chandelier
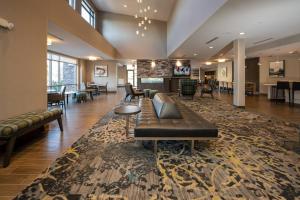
column 143, row 17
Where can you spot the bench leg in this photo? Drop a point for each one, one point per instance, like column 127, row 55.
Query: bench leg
column 155, row 146
column 192, row 146
column 9, row 149
column 60, row 124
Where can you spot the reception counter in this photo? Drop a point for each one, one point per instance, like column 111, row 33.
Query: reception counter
column 272, row 93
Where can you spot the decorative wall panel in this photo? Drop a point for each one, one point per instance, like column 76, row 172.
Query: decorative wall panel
column 163, row 68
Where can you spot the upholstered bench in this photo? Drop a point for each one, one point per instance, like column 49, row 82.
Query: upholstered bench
column 17, row 126
column 166, row 119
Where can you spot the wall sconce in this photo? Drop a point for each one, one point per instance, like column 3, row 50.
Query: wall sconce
column 5, row 24
column 153, row 64
column 178, row 63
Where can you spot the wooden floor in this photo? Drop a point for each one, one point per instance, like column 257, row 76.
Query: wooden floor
column 260, row 104
column 31, row 158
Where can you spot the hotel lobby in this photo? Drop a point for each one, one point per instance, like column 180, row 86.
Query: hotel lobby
column 150, row 99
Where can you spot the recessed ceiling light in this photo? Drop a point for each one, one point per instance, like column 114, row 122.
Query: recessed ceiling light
column 211, row 47
column 242, row 33
column 92, row 58
column 49, row 42
column 221, row 60
column 195, row 54
column 208, row 63
column 155, row 11
column 125, row 6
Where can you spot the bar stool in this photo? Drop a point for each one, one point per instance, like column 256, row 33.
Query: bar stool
column 229, row 88
column 283, row 85
column 295, row 87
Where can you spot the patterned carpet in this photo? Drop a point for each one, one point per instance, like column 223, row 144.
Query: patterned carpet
column 248, row 161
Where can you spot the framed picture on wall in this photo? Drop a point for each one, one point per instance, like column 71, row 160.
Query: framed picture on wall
column 277, row 69
column 224, row 72
column 101, row 71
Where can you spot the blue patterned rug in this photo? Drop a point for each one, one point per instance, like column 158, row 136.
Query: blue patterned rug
column 248, row 161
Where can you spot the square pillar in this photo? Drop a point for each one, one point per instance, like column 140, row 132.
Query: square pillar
column 239, row 73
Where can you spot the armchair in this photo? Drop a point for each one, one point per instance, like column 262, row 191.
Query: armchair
column 187, row 87
column 58, row 98
column 209, row 88
column 130, row 92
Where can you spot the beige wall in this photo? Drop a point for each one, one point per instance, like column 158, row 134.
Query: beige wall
column 292, row 70
column 23, row 55
column 60, row 13
column 23, row 71
column 112, row 74
column 82, row 66
column 120, row 30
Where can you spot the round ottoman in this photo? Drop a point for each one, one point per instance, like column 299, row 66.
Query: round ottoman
column 81, row 97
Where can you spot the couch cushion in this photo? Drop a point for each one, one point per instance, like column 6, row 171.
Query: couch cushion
column 12, row 125
column 165, row 107
column 191, row 124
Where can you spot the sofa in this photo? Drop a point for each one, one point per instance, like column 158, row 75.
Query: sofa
column 164, row 118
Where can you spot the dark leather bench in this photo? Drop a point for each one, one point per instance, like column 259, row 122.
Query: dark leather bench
column 17, row 126
column 166, row 119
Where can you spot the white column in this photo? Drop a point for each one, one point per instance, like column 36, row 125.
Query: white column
column 239, row 73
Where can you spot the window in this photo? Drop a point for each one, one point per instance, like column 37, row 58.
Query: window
column 132, row 74
column 61, row 70
column 72, row 3
column 88, row 13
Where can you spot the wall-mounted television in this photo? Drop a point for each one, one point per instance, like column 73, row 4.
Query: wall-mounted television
column 182, row 70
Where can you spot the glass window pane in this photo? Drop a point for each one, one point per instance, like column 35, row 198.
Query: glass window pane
column 88, row 13
column 55, row 57
column 54, row 65
column 62, row 71
column 130, row 77
column 72, row 3
column 85, row 15
column 68, row 60
column 48, row 72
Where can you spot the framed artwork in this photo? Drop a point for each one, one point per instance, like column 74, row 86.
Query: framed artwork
column 224, row 72
column 101, row 71
column 277, row 69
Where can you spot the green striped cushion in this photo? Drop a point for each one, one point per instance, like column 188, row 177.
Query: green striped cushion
column 12, row 125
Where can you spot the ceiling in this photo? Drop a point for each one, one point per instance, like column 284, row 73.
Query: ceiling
column 164, row 7
column 283, row 50
column 71, row 45
column 259, row 19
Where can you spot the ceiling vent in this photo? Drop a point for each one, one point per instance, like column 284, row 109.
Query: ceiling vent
column 210, row 41
column 261, row 41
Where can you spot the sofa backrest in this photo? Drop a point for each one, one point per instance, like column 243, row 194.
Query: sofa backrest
column 165, row 107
